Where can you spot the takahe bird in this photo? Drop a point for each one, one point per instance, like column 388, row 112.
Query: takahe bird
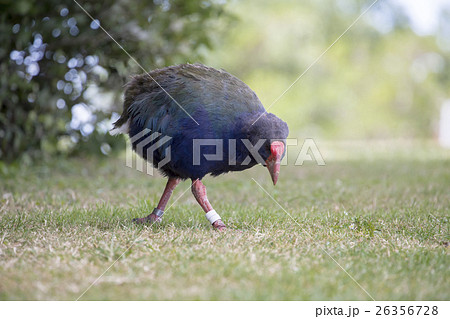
column 192, row 102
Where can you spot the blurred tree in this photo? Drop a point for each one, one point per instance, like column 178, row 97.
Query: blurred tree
column 56, row 64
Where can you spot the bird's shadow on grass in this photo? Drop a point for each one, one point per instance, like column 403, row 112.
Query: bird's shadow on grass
column 105, row 221
column 184, row 226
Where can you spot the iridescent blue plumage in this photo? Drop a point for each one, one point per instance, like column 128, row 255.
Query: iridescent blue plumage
column 212, row 105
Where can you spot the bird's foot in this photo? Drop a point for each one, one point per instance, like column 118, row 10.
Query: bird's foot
column 150, row 219
column 219, row 225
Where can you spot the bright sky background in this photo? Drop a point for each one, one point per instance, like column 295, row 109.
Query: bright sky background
column 424, row 14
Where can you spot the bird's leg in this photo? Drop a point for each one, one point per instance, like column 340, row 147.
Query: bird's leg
column 159, row 210
column 199, row 191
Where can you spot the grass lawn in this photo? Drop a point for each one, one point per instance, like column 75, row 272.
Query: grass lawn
column 380, row 210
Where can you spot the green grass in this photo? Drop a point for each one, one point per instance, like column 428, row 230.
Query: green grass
column 381, row 213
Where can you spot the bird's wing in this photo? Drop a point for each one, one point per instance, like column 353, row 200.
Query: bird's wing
column 215, row 98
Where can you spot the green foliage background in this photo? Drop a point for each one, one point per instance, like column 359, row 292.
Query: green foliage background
column 380, row 80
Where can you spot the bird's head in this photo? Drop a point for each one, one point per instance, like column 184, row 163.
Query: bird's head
column 274, row 132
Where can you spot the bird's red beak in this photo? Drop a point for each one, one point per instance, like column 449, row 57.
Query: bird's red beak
column 274, row 160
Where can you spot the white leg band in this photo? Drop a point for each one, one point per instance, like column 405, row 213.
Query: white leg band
column 158, row 212
column 212, row 216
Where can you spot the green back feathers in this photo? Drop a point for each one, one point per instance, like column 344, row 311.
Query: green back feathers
column 208, row 95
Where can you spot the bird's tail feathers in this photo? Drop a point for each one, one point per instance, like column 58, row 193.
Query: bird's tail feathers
column 123, row 129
